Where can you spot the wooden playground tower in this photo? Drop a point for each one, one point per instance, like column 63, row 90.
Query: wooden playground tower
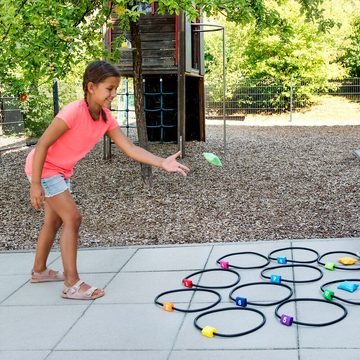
column 173, row 73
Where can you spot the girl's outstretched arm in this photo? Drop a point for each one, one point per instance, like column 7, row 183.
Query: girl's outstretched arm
column 51, row 134
column 141, row 155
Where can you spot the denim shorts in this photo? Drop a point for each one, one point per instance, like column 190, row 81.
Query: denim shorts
column 54, row 185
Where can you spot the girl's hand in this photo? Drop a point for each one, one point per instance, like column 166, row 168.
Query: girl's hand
column 37, row 196
column 171, row 165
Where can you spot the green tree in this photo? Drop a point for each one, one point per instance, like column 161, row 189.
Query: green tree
column 291, row 48
column 351, row 56
column 43, row 39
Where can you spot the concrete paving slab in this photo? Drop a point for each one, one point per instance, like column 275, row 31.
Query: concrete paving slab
column 288, row 273
column 10, row 283
column 248, row 260
column 329, row 354
column 109, row 355
column 169, row 258
column 21, row 355
column 357, row 153
column 215, row 277
column 303, row 290
column 344, row 334
column 107, row 327
column 235, row 354
column 101, row 260
column 15, row 263
column 325, row 245
column 143, row 287
column 190, row 338
column 264, row 292
column 49, row 293
column 126, row 324
column 294, row 254
column 36, row 327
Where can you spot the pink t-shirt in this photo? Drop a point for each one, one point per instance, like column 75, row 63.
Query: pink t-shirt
column 75, row 143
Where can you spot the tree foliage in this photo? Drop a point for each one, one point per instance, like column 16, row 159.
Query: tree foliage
column 292, row 49
column 46, row 39
column 351, row 56
column 43, row 39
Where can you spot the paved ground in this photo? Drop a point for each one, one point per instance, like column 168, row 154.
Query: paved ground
column 36, row 324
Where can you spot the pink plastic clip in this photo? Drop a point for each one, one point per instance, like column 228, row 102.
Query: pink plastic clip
column 224, row 264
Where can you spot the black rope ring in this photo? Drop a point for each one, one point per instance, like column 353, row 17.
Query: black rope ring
column 338, row 297
column 262, row 283
column 293, row 266
column 243, row 267
column 231, row 309
column 336, row 266
column 317, row 300
column 188, row 283
column 172, row 307
column 296, row 248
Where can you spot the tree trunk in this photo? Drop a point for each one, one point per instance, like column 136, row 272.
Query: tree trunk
column 146, row 171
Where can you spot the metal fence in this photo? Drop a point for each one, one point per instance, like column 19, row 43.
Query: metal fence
column 264, row 97
column 11, row 117
column 248, row 97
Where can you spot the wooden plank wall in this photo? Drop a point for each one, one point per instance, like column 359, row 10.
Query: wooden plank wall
column 158, row 45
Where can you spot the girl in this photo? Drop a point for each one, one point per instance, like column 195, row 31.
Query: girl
column 70, row 136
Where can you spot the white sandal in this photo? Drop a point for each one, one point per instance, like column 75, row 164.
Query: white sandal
column 47, row 275
column 74, row 292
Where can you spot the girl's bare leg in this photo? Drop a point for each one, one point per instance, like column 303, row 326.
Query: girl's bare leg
column 64, row 206
column 52, row 223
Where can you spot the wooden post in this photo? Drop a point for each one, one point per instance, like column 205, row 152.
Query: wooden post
column 146, row 171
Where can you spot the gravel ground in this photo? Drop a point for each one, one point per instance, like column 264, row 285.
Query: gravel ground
column 275, row 183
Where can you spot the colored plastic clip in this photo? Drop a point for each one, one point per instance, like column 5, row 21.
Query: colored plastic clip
column 188, row 283
column 275, row 279
column 282, row 260
column 208, row 331
column 224, row 264
column 286, row 320
column 168, row 306
column 330, row 266
column 240, row 301
column 328, row 294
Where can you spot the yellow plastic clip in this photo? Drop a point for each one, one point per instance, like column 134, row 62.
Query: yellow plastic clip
column 208, row 331
column 168, row 306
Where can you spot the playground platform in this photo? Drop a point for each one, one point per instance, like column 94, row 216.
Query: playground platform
column 37, row 324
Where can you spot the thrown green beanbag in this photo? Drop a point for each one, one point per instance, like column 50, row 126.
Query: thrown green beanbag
column 212, row 159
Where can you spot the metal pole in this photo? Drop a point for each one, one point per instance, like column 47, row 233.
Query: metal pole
column 291, row 98
column 224, row 89
column 218, row 28
column 55, row 87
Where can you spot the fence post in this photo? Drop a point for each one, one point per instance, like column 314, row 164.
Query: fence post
column 291, row 98
column 224, row 86
column 55, row 87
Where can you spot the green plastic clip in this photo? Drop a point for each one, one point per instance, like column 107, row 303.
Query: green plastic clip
column 328, row 294
column 330, row 266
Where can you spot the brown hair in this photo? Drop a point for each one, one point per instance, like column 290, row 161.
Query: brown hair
column 96, row 72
